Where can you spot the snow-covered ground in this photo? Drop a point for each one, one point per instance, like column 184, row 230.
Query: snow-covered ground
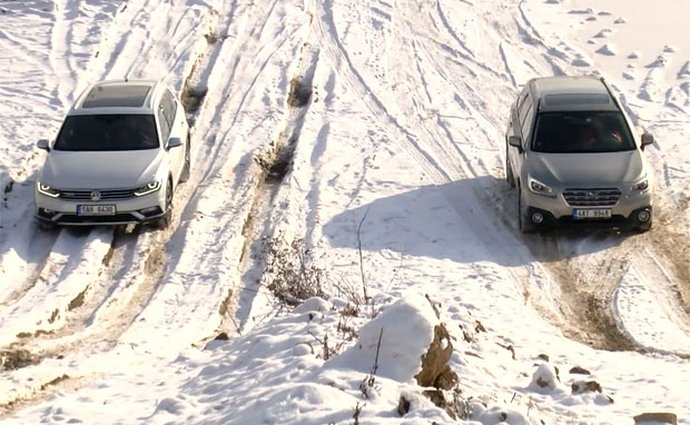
column 311, row 297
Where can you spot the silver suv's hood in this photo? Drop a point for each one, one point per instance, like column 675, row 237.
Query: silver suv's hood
column 587, row 170
column 100, row 170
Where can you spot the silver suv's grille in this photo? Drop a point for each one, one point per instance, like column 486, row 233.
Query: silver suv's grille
column 97, row 195
column 592, row 197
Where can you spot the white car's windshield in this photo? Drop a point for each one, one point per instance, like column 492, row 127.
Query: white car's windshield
column 581, row 132
column 107, row 133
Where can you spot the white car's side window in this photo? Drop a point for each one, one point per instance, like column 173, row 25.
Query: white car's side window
column 163, row 122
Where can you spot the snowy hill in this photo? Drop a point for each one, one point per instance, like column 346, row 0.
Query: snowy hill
column 346, row 250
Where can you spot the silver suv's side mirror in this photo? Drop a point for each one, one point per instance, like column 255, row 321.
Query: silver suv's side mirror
column 647, row 139
column 174, row 142
column 515, row 141
column 43, row 144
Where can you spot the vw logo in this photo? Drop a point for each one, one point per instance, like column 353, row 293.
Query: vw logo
column 95, row 195
column 590, row 194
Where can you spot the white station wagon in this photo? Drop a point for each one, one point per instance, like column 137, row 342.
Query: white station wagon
column 117, row 159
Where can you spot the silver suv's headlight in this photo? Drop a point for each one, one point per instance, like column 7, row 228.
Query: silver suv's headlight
column 641, row 186
column 149, row 188
column 44, row 189
column 540, row 188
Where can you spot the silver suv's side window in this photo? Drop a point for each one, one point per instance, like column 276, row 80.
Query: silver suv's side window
column 525, row 115
column 526, row 122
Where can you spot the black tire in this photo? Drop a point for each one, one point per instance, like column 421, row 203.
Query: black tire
column 187, row 162
column 510, row 177
column 524, row 223
column 645, row 227
column 164, row 221
column 46, row 227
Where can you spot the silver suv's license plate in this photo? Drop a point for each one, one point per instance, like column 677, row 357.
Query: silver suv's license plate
column 96, row 210
column 592, row 213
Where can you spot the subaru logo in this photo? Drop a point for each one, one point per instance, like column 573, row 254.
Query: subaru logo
column 95, row 195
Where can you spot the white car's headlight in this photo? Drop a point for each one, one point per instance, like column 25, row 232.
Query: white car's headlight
column 641, row 186
column 149, row 188
column 540, row 188
column 44, row 189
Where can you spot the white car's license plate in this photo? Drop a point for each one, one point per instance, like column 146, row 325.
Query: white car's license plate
column 96, row 210
column 592, row 213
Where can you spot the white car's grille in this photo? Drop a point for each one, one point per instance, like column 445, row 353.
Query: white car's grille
column 592, row 197
column 97, row 195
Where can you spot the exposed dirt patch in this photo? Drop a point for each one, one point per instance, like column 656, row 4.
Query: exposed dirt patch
column 192, row 98
column 587, row 300
column 672, row 245
column 154, row 260
column 16, row 359
column 300, row 92
column 78, row 301
column 54, row 382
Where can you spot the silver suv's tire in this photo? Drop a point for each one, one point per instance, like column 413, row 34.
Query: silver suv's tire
column 510, row 177
column 524, row 223
column 645, row 227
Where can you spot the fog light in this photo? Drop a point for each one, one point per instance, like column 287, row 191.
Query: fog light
column 537, row 218
column 643, row 216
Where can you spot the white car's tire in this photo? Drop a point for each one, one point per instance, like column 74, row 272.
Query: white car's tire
column 164, row 221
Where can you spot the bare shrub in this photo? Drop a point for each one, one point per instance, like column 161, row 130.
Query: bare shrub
column 291, row 274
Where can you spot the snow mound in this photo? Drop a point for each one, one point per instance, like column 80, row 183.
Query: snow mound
column 606, row 50
column 398, row 338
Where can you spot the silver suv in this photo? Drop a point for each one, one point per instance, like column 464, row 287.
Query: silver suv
column 573, row 157
column 120, row 152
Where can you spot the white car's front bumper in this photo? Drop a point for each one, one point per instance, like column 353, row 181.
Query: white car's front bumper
column 129, row 209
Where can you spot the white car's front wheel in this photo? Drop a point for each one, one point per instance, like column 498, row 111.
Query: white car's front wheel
column 164, row 221
column 187, row 161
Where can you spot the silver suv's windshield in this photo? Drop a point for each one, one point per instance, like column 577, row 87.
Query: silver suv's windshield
column 116, row 132
column 581, row 132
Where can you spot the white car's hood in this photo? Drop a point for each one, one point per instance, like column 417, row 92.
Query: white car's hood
column 589, row 170
column 100, row 170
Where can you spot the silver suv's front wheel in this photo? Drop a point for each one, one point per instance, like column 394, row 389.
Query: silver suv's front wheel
column 524, row 223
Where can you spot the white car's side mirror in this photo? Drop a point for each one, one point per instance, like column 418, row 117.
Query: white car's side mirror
column 43, row 144
column 174, row 142
column 647, row 139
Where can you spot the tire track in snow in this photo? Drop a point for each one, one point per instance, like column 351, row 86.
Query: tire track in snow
column 60, row 49
column 664, row 327
column 48, row 268
column 335, row 53
column 224, row 187
column 443, row 165
column 586, row 285
column 99, row 308
column 269, row 218
column 69, row 18
column 68, row 268
column 588, row 315
column 442, row 145
column 597, row 284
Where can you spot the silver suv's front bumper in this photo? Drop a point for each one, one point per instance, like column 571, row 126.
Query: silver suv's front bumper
column 557, row 209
